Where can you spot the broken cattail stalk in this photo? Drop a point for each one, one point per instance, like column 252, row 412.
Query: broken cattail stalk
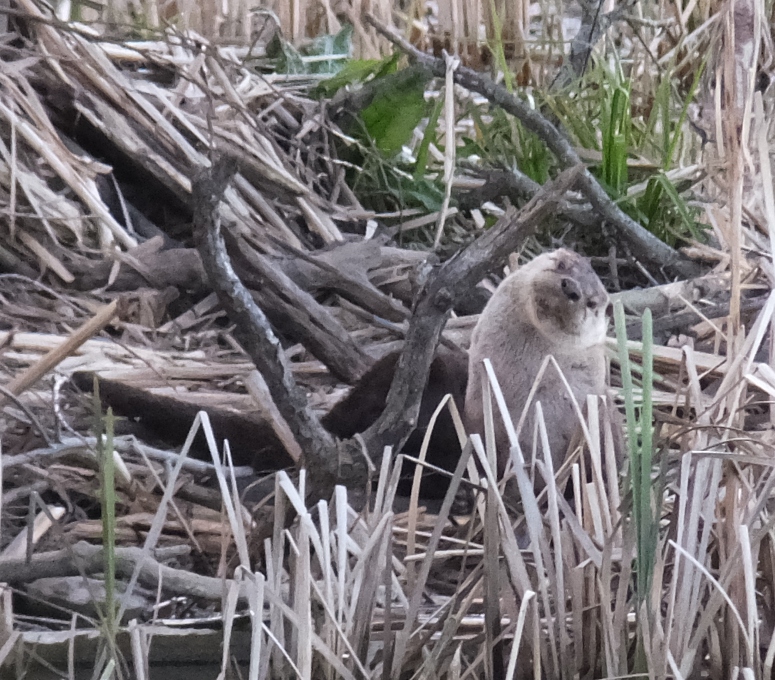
column 52, row 358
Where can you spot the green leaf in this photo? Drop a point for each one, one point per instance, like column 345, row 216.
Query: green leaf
column 679, row 205
column 339, row 45
column 430, row 134
column 394, row 113
column 287, row 58
column 470, row 147
column 428, row 195
column 536, row 159
column 343, row 41
column 616, row 133
column 353, row 71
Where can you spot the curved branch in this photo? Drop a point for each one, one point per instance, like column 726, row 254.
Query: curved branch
column 253, row 331
column 643, row 244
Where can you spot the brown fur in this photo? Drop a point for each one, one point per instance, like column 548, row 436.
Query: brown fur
column 366, row 401
column 253, row 441
column 555, row 305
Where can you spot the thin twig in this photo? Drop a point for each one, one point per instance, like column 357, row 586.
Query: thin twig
column 33, row 419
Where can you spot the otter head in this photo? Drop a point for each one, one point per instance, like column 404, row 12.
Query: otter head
column 570, row 304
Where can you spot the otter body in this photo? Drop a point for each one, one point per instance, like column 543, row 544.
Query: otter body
column 554, row 305
column 254, row 442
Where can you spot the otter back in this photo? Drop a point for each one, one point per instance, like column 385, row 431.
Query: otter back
column 367, row 399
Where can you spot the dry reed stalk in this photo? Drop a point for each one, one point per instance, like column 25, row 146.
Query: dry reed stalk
column 55, row 356
column 159, row 518
column 256, row 386
column 449, row 145
column 559, row 572
column 120, row 110
column 229, row 612
column 32, row 534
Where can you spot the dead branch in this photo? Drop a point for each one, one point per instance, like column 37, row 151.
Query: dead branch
column 682, row 321
column 148, row 264
column 89, row 559
column 348, row 278
column 255, row 334
column 516, row 186
column 82, row 449
column 593, row 25
column 287, row 305
column 386, row 268
column 643, row 244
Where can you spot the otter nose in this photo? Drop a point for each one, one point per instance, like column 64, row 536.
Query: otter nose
column 571, row 290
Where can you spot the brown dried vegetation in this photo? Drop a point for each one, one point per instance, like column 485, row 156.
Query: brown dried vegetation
column 101, row 140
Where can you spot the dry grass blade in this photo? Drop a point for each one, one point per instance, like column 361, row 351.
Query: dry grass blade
column 402, row 638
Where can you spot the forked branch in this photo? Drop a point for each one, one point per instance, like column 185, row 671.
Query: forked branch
column 326, row 460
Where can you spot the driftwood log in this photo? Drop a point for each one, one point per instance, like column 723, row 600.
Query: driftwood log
column 283, row 286
column 369, row 274
column 89, row 559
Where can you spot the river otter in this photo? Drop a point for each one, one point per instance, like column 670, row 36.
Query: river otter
column 554, row 305
column 254, row 442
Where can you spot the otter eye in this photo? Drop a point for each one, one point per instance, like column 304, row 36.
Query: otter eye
column 560, row 266
column 591, row 304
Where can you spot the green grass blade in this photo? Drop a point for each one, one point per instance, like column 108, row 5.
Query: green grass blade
column 103, row 431
column 668, row 158
column 429, row 135
column 646, row 528
column 616, row 141
column 108, row 503
column 640, row 445
column 497, row 48
column 624, row 362
column 650, row 201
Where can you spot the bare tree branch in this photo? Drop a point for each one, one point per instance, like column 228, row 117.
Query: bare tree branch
column 312, row 324
column 253, row 330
